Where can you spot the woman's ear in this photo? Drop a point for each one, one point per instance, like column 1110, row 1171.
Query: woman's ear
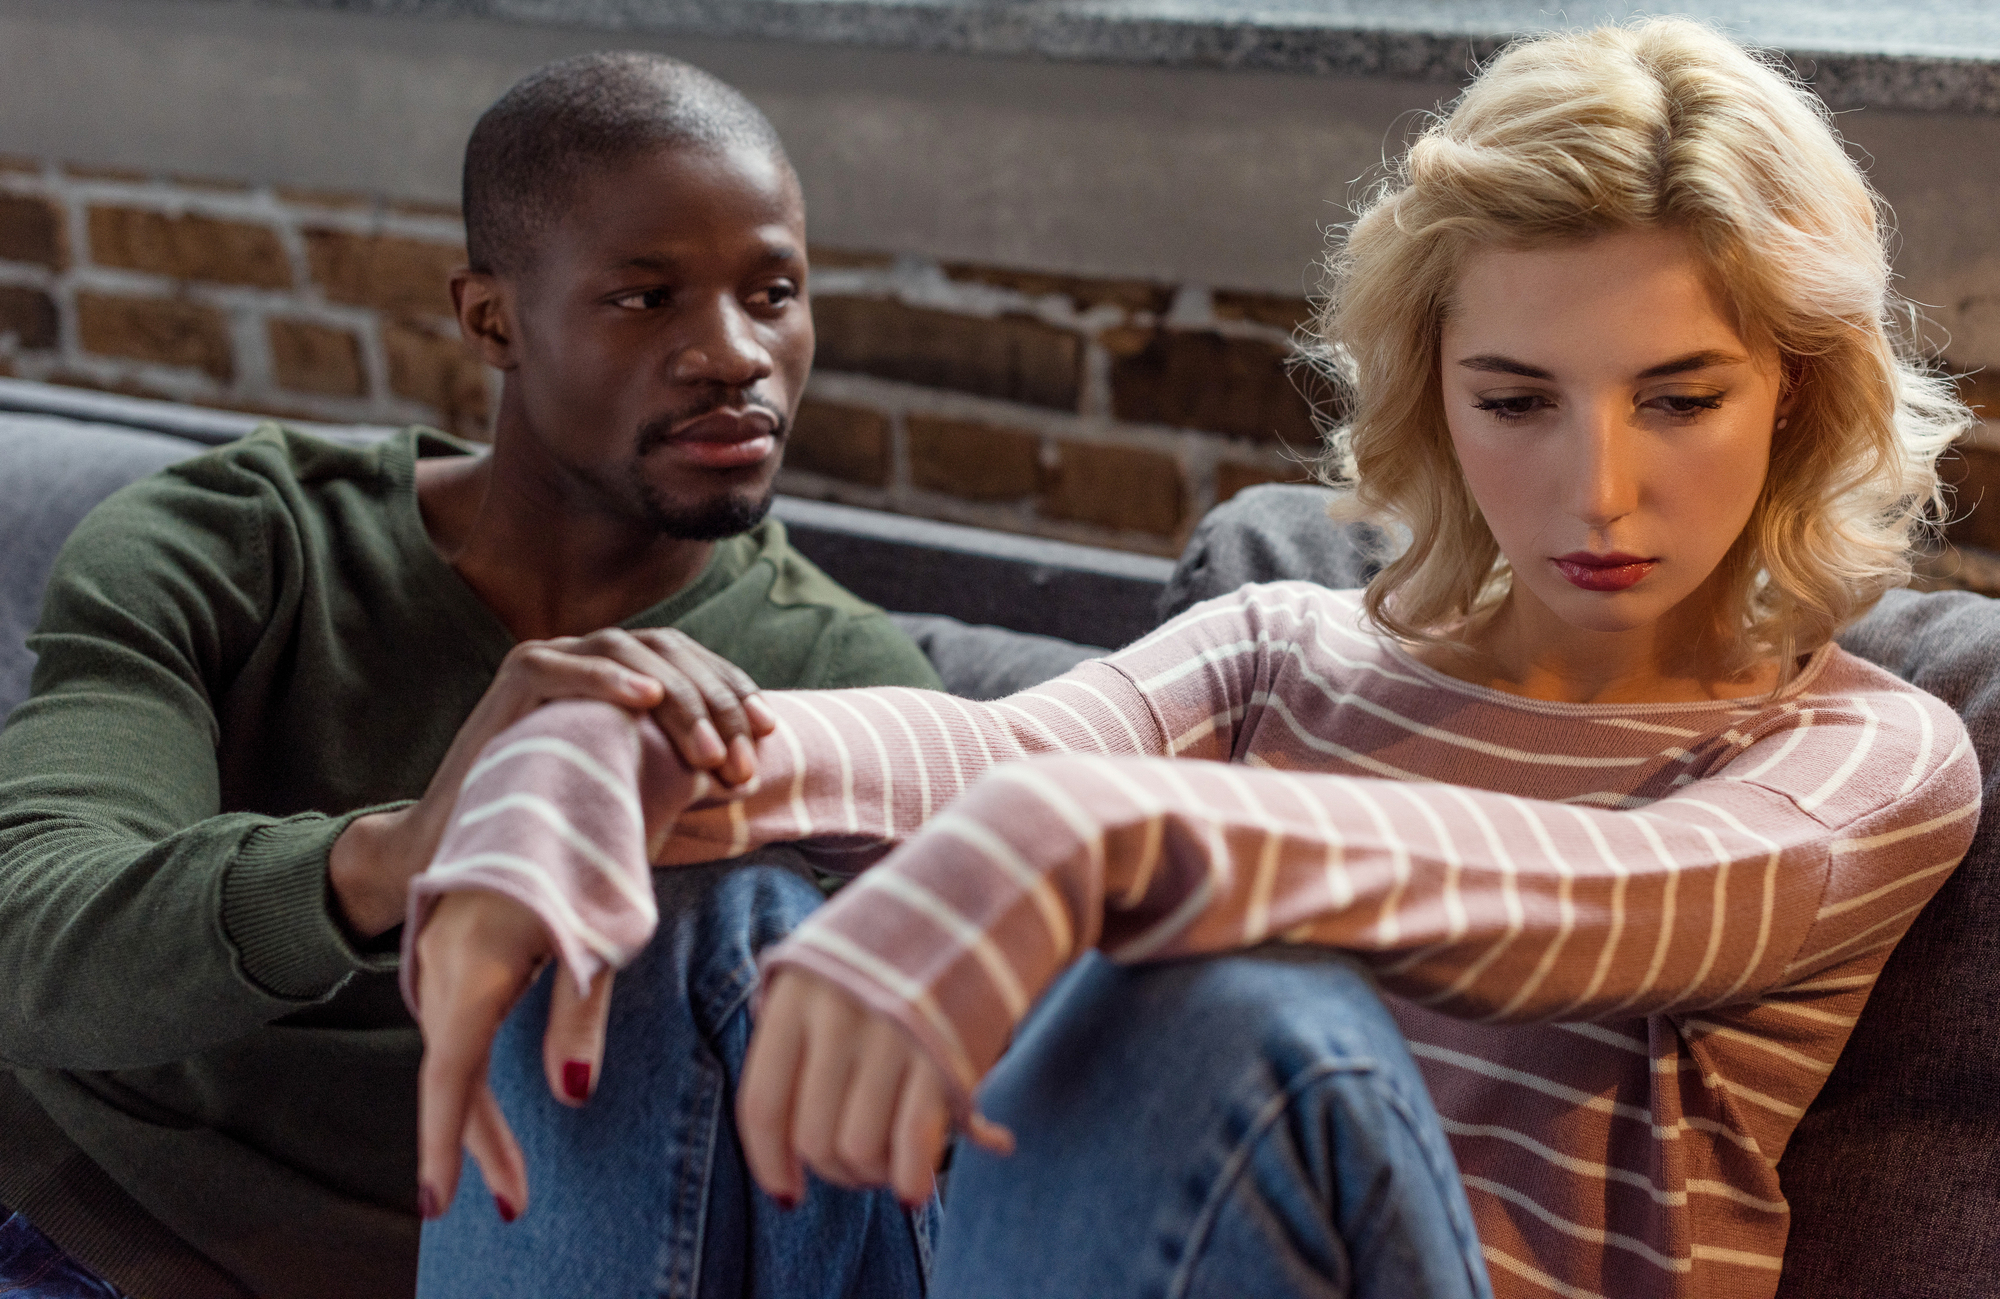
column 485, row 306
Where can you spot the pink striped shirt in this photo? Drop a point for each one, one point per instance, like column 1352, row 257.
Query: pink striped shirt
column 1625, row 941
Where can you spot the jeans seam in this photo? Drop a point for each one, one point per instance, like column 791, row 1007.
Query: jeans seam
column 1273, row 1110
column 1239, row 1160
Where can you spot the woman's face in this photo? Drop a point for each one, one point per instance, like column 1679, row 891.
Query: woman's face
column 1612, row 427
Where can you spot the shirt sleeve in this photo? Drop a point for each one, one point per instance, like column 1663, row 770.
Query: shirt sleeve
column 138, row 923
column 1041, row 826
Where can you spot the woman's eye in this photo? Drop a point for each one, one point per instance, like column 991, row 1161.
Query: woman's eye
column 644, row 300
column 1513, row 408
column 1685, row 405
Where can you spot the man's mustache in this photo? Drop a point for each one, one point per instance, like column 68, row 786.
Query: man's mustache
column 660, row 430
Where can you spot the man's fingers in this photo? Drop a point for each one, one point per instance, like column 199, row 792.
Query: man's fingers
column 573, row 1046
column 764, row 1101
column 491, row 1142
column 923, row 1121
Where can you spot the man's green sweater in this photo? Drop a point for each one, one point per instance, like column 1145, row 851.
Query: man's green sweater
column 210, row 1090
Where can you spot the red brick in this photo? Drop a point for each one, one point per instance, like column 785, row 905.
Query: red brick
column 1981, row 391
column 1012, row 358
column 332, row 198
column 162, row 330
column 91, row 171
column 29, row 315
column 213, row 184
column 1234, row 386
column 440, row 373
column 412, row 207
column 1974, row 474
column 188, row 247
column 316, row 358
column 850, row 259
column 1116, row 487
column 847, row 442
column 1131, row 295
column 388, row 272
column 976, row 461
column 1262, row 308
column 31, row 230
column 16, row 163
column 1233, row 478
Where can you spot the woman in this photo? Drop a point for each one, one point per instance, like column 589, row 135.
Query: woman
column 1580, row 779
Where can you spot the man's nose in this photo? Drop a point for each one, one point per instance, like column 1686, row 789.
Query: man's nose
column 724, row 348
column 1606, row 483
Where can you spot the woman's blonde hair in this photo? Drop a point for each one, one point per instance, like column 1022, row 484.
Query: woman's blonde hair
column 1660, row 124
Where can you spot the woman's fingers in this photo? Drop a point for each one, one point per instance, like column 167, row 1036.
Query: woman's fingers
column 474, row 958
column 824, row 1074
column 867, row 1115
column 765, row 1097
column 989, row 1136
column 573, row 1046
column 922, row 1124
column 491, row 1143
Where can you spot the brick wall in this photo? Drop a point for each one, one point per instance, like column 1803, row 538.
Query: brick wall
column 1102, row 411
column 1105, row 411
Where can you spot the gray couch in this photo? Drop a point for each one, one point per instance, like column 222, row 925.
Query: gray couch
column 1894, row 1175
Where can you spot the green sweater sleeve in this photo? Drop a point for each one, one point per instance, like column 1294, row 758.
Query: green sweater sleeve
column 138, row 922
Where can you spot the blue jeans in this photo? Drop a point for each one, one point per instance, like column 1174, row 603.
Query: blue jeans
column 1243, row 1125
column 31, row 1267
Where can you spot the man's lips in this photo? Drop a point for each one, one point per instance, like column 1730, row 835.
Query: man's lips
column 1615, row 571
column 722, row 439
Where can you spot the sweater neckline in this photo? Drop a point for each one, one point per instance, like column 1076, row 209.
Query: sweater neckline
column 399, row 464
column 1814, row 667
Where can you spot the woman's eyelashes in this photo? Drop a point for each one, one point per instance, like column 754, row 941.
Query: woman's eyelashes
column 1677, row 407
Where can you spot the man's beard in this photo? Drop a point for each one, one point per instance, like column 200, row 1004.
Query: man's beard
column 708, row 520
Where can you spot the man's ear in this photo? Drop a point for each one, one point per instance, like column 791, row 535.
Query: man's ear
column 485, row 306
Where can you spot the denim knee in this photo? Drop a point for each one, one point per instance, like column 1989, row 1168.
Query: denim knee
column 1242, row 1124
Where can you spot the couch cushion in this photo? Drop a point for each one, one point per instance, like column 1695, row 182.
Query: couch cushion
column 978, row 662
column 52, row 471
column 1894, row 1174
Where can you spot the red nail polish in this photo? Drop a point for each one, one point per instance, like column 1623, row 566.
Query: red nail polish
column 787, row 1202
column 427, row 1204
column 576, row 1079
column 507, row 1211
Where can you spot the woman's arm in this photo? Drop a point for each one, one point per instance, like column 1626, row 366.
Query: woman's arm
column 1482, row 905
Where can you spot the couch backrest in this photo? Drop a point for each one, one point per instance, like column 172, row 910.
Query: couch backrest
column 52, row 471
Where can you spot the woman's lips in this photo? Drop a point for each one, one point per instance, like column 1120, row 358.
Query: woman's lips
column 1612, row 572
column 725, row 439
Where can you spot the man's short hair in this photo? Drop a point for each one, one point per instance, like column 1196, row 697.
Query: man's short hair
column 558, row 124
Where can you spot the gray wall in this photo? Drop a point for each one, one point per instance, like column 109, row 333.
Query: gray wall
column 1223, row 178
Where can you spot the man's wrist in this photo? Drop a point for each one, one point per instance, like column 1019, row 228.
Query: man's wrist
column 368, row 872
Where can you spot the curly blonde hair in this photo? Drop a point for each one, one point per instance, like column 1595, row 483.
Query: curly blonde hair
column 1660, row 124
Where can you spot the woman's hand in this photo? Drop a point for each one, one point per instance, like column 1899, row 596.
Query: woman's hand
column 708, row 707
column 476, row 956
column 832, row 1086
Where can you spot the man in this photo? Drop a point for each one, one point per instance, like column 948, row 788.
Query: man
column 263, row 673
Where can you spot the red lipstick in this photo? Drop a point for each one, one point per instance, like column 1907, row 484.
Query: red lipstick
column 1616, row 571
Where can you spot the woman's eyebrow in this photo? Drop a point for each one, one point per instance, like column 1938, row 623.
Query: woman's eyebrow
column 1693, row 361
column 1505, row 365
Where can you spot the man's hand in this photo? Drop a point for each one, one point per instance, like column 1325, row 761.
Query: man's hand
column 709, row 708
column 832, row 1086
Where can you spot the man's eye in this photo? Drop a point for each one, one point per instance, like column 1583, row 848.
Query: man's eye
column 644, row 300
column 1512, row 408
column 776, row 295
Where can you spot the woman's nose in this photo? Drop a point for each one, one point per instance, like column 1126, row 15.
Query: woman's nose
column 1607, row 483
